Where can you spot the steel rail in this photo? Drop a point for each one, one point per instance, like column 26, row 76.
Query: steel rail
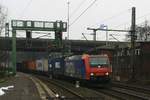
column 80, row 97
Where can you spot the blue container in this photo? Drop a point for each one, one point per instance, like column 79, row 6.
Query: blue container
column 56, row 66
column 75, row 68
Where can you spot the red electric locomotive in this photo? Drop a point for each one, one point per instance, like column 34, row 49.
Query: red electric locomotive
column 91, row 68
column 97, row 68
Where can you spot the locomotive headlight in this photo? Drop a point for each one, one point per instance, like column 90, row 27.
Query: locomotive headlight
column 107, row 73
column 92, row 74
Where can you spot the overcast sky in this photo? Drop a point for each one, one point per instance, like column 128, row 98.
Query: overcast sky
column 116, row 14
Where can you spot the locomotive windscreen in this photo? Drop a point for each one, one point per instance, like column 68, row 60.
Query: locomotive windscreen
column 99, row 61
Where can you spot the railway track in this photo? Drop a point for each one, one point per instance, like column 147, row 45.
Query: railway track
column 102, row 94
column 89, row 94
column 118, row 91
column 82, row 93
column 144, row 90
column 66, row 93
column 123, row 94
column 137, row 91
column 122, row 91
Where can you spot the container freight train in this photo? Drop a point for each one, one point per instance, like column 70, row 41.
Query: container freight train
column 87, row 68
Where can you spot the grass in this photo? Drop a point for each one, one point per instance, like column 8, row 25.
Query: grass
column 3, row 76
column 2, row 80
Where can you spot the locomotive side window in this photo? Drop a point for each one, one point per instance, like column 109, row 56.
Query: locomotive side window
column 99, row 61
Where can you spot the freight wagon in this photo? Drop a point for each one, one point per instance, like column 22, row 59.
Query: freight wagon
column 36, row 66
column 56, row 67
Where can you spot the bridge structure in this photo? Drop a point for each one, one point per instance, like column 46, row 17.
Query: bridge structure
column 38, row 45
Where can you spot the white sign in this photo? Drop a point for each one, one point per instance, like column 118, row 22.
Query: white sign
column 57, row 65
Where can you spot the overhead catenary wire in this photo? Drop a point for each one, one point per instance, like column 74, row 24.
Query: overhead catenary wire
column 24, row 10
column 114, row 37
column 85, row 37
column 83, row 12
column 19, row 35
column 44, row 35
column 77, row 8
column 125, row 23
column 40, row 33
column 141, row 23
column 114, row 16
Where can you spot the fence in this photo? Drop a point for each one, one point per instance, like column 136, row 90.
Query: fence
column 4, row 63
column 121, row 64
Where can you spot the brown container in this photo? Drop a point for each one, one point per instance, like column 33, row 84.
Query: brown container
column 25, row 65
column 31, row 64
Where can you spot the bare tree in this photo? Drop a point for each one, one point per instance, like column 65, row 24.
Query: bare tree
column 3, row 54
column 3, row 17
column 142, row 32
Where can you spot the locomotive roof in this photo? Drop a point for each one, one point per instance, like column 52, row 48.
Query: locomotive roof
column 77, row 57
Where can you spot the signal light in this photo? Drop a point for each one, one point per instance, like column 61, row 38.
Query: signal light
column 92, row 74
column 107, row 73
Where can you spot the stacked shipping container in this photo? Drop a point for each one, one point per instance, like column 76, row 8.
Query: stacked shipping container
column 40, row 65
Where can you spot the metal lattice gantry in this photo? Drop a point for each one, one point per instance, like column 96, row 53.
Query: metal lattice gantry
column 38, row 25
column 28, row 25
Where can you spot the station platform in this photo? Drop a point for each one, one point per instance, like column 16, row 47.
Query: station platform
column 19, row 87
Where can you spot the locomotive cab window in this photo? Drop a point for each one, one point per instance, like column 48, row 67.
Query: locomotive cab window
column 99, row 61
